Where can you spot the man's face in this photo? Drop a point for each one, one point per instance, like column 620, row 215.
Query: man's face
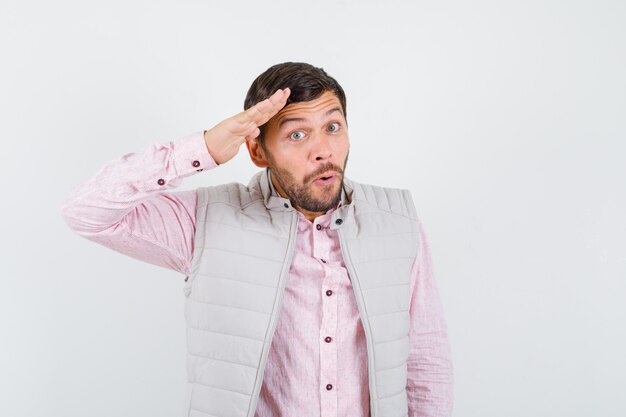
column 306, row 147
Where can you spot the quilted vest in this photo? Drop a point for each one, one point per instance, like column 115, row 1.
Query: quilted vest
column 244, row 244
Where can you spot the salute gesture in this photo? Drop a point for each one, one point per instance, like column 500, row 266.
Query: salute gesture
column 224, row 139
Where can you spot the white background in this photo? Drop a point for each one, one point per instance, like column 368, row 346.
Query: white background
column 506, row 119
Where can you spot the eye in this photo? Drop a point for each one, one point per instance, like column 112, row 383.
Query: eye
column 297, row 135
column 333, row 127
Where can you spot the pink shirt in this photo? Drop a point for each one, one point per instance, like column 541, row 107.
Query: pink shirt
column 317, row 364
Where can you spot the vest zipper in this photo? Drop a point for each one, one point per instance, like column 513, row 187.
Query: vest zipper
column 368, row 333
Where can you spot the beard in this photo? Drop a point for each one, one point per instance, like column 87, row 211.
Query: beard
column 301, row 195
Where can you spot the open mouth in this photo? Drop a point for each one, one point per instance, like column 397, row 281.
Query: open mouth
column 325, row 179
column 326, row 175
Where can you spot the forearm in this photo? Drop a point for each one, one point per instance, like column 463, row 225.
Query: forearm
column 128, row 206
column 105, row 199
column 430, row 371
column 430, row 384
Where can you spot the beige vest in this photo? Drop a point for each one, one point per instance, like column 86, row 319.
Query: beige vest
column 244, row 244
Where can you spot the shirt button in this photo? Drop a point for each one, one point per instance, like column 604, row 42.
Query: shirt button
column 328, row 339
column 338, row 222
column 318, row 227
column 286, row 205
column 329, row 387
column 196, row 164
column 161, row 181
column 329, row 292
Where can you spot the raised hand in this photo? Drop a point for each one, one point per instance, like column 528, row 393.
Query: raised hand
column 224, row 139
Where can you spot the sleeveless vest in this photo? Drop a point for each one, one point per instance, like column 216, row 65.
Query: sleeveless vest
column 244, row 244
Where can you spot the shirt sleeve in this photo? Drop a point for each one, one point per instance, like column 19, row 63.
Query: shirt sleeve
column 127, row 207
column 430, row 371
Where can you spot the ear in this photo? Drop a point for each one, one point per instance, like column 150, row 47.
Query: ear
column 257, row 153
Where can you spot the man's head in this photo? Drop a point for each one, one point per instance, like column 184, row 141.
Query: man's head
column 305, row 81
column 305, row 144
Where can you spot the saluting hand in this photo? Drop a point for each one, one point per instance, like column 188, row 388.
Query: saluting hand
column 224, row 139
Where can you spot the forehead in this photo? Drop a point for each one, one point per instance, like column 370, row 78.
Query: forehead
column 310, row 109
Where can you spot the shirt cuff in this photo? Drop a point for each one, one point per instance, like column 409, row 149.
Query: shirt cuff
column 191, row 155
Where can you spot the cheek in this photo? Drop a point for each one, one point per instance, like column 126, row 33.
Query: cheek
column 294, row 161
column 292, row 166
column 298, row 173
column 343, row 147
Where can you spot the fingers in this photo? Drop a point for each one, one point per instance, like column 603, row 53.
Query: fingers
column 225, row 138
column 251, row 134
column 256, row 132
column 266, row 109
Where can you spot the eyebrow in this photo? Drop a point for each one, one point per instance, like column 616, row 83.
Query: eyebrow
column 300, row 119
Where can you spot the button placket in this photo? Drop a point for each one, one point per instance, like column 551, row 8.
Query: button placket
column 322, row 244
column 328, row 347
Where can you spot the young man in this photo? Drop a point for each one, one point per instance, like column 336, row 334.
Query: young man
column 307, row 294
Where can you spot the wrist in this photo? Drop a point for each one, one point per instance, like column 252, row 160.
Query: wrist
column 208, row 149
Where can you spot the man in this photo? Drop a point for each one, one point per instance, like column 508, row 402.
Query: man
column 307, row 294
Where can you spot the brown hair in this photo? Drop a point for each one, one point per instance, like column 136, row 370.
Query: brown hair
column 305, row 81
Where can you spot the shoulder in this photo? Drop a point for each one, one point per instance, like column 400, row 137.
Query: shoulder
column 232, row 194
column 396, row 201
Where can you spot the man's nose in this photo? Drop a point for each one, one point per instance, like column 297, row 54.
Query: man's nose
column 323, row 148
